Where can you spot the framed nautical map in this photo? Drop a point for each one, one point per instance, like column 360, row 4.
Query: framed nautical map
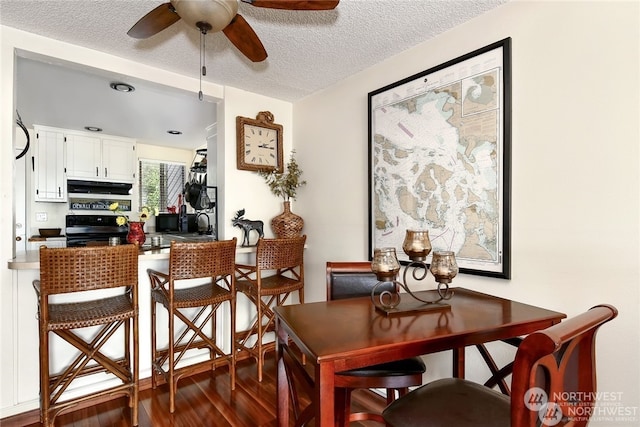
column 440, row 160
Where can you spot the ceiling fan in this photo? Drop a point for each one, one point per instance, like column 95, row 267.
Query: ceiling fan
column 220, row 15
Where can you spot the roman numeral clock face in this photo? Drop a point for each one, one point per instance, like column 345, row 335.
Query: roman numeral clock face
column 259, row 144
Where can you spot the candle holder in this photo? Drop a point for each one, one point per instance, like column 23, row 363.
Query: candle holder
column 417, row 246
column 385, row 264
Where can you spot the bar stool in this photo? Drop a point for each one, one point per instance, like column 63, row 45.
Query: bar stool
column 194, row 307
column 278, row 271
column 99, row 271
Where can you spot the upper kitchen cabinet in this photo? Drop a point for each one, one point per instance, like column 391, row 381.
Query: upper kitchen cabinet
column 84, row 156
column 48, row 166
column 119, row 159
column 101, row 158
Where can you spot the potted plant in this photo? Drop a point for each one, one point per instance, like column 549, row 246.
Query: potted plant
column 285, row 184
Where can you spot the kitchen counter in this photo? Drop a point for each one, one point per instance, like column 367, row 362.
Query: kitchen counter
column 30, row 260
column 39, row 238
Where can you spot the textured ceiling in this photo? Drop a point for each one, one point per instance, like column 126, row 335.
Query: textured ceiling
column 308, row 50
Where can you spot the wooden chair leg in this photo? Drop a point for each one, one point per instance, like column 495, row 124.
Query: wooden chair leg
column 171, row 380
column 136, row 370
column 301, row 300
column 390, row 395
column 264, row 311
column 259, row 338
column 44, row 377
column 232, row 366
column 401, row 392
column 154, row 355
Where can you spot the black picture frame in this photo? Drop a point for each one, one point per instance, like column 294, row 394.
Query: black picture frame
column 440, row 159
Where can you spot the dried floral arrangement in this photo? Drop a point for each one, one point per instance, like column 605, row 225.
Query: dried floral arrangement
column 285, row 184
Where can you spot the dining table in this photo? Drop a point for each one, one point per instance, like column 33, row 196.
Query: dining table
column 334, row 336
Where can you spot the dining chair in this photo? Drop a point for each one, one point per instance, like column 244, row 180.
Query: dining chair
column 200, row 281
column 86, row 296
column 355, row 279
column 277, row 273
column 553, row 383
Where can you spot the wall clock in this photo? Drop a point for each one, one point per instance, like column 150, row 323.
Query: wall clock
column 259, row 143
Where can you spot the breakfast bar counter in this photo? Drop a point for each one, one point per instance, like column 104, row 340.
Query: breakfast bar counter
column 29, row 260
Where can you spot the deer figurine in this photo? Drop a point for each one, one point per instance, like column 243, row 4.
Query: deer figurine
column 247, row 225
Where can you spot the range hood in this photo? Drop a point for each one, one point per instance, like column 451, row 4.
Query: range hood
column 98, row 187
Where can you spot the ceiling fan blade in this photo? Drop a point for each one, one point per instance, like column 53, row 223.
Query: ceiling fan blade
column 295, row 4
column 240, row 33
column 155, row 21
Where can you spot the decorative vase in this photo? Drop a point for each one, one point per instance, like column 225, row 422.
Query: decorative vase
column 136, row 234
column 287, row 224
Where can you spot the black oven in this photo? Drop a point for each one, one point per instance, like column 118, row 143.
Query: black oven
column 84, row 230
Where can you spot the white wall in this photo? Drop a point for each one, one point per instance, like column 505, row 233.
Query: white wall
column 156, row 152
column 576, row 190
column 243, row 189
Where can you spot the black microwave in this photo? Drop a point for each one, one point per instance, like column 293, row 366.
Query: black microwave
column 168, row 222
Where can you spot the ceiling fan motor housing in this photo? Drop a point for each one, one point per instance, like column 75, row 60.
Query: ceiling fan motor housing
column 217, row 13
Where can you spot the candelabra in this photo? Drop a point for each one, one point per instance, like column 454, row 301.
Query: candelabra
column 385, row 265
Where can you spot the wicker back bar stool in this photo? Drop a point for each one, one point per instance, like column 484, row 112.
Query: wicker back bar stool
column 192, row 311
column 108, row 278
column 277, row 272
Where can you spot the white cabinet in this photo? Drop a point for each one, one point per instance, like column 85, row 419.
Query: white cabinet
column 119, row 159
column 84, row 156
column 24, row 336
column 50, row 182
column 109, row 158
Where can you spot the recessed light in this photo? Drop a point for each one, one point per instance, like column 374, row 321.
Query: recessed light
column 93, row 129
column 174, row 132
column 122, row 87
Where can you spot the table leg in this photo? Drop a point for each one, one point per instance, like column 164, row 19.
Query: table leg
column 325, row 395
column 282, row 381
column 340, row 404
column 458, row 362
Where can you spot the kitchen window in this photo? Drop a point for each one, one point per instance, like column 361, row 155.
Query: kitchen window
column 161, row 183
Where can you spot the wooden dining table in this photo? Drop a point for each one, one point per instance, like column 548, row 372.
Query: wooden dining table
column 346, row 334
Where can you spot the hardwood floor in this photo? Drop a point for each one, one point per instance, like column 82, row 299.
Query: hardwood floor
column 202, row 400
